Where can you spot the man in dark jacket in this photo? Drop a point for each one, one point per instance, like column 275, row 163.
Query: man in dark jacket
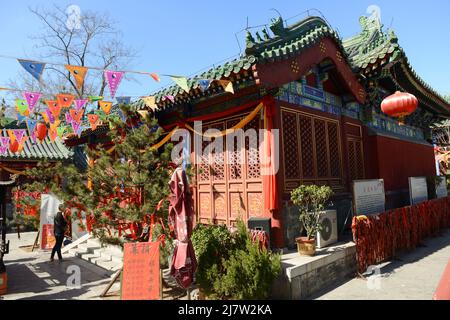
column 59, row 229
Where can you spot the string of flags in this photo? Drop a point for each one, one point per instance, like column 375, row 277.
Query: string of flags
column 48, row 123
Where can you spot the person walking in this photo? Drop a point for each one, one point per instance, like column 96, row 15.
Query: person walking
column 59, row 229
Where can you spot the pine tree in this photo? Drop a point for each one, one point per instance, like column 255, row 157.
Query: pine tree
column 127, row 184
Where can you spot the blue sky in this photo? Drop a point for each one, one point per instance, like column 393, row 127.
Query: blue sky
column 184, row 37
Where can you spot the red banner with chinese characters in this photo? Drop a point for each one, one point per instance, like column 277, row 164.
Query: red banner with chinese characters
column 47, row 237
column 140, row 278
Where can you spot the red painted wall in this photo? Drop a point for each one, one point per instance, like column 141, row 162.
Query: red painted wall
column 396, row 160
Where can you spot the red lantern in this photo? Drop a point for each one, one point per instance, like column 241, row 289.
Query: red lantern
column 399, row 105
column 14, row 146
column 41, row 131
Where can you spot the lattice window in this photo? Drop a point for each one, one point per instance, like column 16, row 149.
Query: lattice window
column 352, row 160
column 235, row 156
column 359, row 160
column 321, row 148
column 218, row 157
column 290, row 146
column 307, row 152
column 252, row 149
column 203, row 169
column 333, row 141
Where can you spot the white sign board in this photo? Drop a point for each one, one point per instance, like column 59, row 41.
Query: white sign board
column 369, row 197
column 49, row 208
column 441, row 188
column 418, row 191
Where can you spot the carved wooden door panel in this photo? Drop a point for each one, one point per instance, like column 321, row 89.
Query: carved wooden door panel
column 229, row 184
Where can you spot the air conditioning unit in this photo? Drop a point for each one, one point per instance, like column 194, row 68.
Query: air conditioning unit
column 329, row 233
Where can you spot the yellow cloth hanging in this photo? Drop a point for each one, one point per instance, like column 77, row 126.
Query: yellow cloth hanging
column 238, row 126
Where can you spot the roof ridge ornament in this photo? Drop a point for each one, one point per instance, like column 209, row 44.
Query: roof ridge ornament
column 277, row 27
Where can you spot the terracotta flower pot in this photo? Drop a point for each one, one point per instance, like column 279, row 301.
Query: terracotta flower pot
column 306, row 247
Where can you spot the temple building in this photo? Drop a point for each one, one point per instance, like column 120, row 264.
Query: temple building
column 323, row 94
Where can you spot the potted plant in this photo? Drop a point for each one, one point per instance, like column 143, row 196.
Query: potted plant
column 311, row 201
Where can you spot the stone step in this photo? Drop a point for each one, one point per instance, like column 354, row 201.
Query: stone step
column 94, row 243
column 89, row 256
column 77, row 251
column 112, row 256
column 107, row 264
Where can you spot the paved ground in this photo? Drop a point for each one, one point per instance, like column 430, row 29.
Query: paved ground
column 413, row 276
column 32, row 277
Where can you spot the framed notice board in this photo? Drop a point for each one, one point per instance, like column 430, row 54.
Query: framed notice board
column 369, row 197
column 141, row 274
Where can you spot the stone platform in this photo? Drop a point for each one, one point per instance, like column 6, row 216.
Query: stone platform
column 304, row 276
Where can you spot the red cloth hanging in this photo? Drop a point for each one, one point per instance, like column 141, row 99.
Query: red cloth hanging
column 181, row 216
column 268, row 157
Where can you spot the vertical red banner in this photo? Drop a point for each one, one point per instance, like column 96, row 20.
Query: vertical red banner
column 141, row 272
column 47, row 237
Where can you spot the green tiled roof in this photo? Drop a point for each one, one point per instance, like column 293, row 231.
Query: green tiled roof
column 47, row 150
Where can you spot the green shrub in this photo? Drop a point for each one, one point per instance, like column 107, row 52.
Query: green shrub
column 231, row 266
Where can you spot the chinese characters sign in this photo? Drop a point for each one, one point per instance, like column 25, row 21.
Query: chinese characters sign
column 418, row 191
column 140, row 278
column 48, row 239
column 369, row 197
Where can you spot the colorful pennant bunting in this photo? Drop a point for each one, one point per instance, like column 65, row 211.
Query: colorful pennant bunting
column 32, row 99
column 76, row 127
column 227, row 86
column 105, row 106
column 93, row 120
column 150, row 102
column 143, row 113
column 79, row 73
column 204, row 84
column 54, row 107
column 95, row 98
column 122, row 116
column 34, row 68
column 155, row 77
column 76, row 115
column 65, row 100
column 19, row 134
column 171, row 98
column 4, row 142
column 123, row 100
column 51, row 119
column 55, row 125
column 53, row 133
column 21, row 107
column 68, row 118
column 79, row 104
column 182, row 82
column 21, row 118
column 31, row 125
column 4, row 150
column 61, row 130
column 113, row 78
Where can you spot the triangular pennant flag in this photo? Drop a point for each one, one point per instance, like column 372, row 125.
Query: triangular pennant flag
column 21, row 106
column 65, row 100
column 45, row 116
column 79, row 104
column 19, row 134
column 95, row 98
column 182, row 82
column 93, row 120
column 143, row 113
column 227, row 86
column 61, row 130
column 4, row 150
column 155, row 77
column 171, row 98
column 68, row 118
column 34, row 68
column 31, row 124
column 54, row 107
column 11, row 135
column 21, row 118
column 53, row 133
column 32, row 99
column 33, row 137
column 79, row 73
column 50, row 116
column 22, row 143
column 4, row 141
column 122, row 116
column 113, row 78
column 55, row 125
column 204, row 84
column 76, row 116
column 123, row 100
column 106, row 106
column 75, row 127
column 150, row 102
